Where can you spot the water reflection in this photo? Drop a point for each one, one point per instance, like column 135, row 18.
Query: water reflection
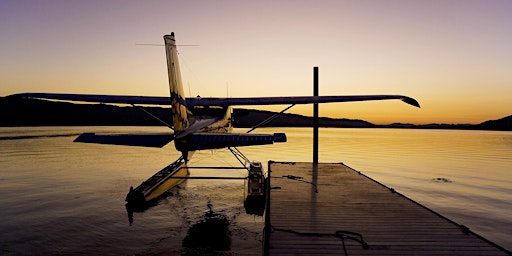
column 142, row 206
column 42, row 197
column 210, row 233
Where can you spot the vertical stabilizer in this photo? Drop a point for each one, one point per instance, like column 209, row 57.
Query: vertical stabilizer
column 178, row 104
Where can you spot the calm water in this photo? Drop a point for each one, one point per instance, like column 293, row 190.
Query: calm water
column 60, row 197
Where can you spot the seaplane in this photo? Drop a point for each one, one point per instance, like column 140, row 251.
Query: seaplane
column 198, row 123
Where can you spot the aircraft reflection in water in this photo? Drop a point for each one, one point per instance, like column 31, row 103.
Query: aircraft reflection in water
column 197, row 124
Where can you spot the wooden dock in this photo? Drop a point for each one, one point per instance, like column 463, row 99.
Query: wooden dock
column 348, row 213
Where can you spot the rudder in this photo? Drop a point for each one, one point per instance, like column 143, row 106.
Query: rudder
column 178, row 103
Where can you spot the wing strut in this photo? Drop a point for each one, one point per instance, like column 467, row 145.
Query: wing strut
column 240, row 156
column 264, row 122
column 153, row 116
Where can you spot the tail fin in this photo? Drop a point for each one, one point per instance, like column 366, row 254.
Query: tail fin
column 178, row 104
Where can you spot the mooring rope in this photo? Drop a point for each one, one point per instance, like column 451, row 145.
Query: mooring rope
column 341, row 234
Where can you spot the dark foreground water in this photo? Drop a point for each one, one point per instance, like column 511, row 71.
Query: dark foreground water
column 59, row 197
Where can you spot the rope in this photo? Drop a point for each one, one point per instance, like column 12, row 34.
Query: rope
column 341, row 234
column 301, row 179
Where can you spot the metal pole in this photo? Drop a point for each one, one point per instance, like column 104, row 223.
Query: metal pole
column 315, row 117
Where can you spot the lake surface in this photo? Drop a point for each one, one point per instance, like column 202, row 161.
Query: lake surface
column 60, row 197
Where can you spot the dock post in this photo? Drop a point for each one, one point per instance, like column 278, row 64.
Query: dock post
column 315, row 136
column 315, row 117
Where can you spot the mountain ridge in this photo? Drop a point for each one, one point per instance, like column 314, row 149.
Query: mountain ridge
column 16, row 111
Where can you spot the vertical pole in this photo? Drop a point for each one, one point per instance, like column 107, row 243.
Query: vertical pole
column 314, row 178
column 267, row 229
column 315, row 117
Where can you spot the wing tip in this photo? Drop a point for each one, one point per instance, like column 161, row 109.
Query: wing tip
column 411, row 101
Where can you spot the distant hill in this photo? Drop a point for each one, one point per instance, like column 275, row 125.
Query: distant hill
column 503, row 124
column 428, row 126
column 250, row 118
column 16, row 111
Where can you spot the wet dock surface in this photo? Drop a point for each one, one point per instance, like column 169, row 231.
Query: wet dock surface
column 347, row 213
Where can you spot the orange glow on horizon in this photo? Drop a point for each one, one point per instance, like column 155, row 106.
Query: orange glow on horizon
column 454, row 57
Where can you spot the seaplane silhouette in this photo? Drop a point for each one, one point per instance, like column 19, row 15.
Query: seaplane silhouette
column 197, row 124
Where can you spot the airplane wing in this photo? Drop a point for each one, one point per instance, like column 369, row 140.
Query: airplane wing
column 140, row 139
column 117, row 99
column 199, row 101
column 293, row 100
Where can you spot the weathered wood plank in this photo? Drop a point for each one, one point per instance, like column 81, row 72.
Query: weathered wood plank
column 302, row 219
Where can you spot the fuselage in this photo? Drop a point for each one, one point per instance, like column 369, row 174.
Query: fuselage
column 222, row 116
column 208, row 119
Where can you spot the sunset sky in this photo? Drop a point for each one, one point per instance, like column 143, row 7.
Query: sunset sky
column 454, row 57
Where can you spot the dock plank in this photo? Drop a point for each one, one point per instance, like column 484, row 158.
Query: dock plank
column 303, row 219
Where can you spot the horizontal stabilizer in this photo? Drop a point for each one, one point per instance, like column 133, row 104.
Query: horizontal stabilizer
column 157, row 140
column 200, row 141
